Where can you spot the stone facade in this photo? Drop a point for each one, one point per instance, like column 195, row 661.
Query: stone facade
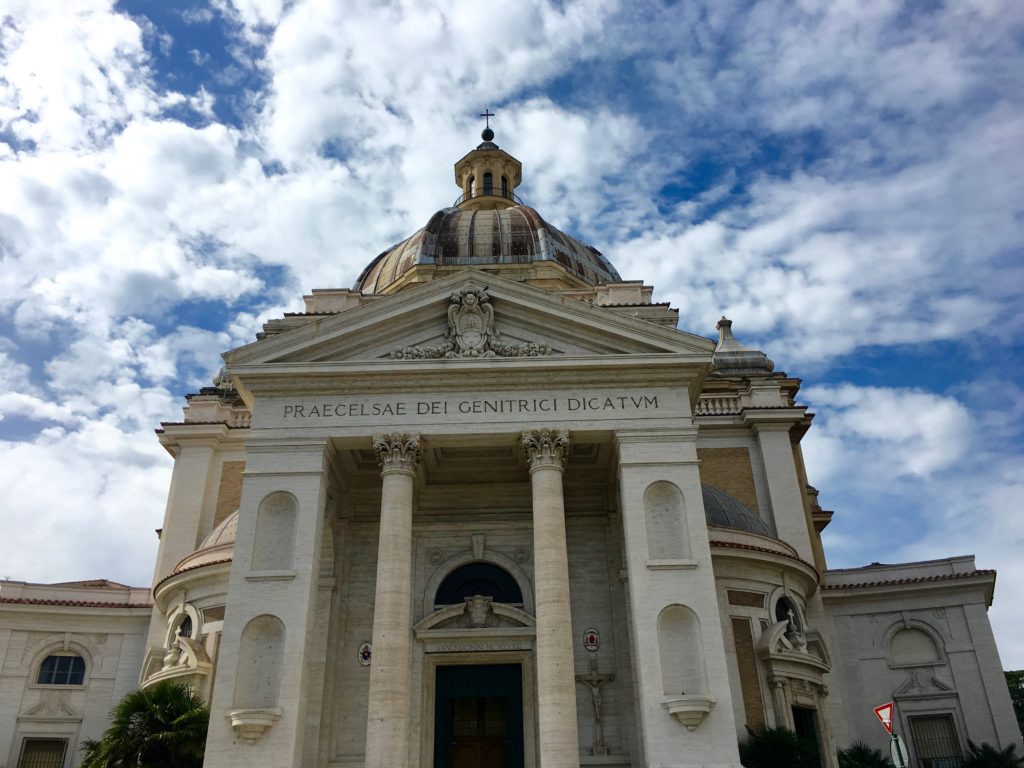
column 494, row 510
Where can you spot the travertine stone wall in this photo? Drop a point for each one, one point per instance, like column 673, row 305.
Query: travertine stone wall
column 300, row 469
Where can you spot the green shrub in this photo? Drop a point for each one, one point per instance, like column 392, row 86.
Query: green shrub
column 860, row 755
column 777, row 748
column 987, row 756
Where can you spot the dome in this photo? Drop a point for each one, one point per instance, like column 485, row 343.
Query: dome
column 217, row 547
column 224, row 533
column 724, row 511
column 513, row 235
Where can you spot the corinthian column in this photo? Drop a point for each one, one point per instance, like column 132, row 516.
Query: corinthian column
column 387, row 722
column 556, row 680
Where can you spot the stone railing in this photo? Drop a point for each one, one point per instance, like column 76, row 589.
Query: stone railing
column 717, row 405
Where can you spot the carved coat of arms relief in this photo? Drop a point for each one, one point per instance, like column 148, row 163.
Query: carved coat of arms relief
column 471, row 333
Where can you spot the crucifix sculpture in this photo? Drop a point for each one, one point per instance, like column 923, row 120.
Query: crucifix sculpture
column 595, row 680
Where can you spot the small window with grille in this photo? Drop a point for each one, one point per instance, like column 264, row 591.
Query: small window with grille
column 935, row 741
column 62, row 669
column 42, row 753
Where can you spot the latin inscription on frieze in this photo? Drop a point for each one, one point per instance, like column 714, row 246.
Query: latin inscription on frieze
column 488, row 407
column 328, row 409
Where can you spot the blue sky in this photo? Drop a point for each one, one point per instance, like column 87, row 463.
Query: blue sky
column 843, row 179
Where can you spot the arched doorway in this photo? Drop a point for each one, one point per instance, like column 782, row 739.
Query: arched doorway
column 477, row 645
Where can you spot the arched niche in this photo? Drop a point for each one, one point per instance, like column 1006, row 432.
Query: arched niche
column 260, row 657
column 912, row 646
column 681, row 650
column 665, row 513
column 274, row 544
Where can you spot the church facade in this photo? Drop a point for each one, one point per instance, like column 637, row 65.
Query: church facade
column 490, row 507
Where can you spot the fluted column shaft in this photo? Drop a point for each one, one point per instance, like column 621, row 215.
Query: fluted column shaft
column 387, row 723
column 556, row 680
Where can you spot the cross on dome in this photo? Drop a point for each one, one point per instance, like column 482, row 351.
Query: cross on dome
column 487, row 133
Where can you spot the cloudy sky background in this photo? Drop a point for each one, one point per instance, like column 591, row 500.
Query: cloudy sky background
column 843, row 179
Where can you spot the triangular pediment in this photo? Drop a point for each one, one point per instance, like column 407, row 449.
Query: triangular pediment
column 417, row 322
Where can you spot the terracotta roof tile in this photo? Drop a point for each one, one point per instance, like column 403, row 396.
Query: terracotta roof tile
column 911, row 580
column 70, row 603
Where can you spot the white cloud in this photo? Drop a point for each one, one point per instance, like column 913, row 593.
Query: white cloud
column 71, row 79
column 915, row 475
column 903, row 226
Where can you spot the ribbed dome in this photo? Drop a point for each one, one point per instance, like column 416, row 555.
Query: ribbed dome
column 724, row 511
column 217, row 547
column 512, row 235
column 223, row 534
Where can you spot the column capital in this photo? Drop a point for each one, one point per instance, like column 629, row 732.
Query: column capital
column 546, row 448
column 398, row 452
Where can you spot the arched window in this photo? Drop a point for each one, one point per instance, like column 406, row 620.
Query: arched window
column 504, row 186
column 786, row 610
column 185, row 628
column 488, row 183
column 472, row 186
column 62, row 669
column 484, row 579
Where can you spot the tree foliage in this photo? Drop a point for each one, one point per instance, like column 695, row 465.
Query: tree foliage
column 777, row 748
column 987, row 756
column 163, row 726
column 860, row 755
column 1015, row 682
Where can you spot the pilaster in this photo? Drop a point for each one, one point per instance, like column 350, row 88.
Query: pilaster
column 193, row 460
column 262, row 680
column 785, row 492
column 684, row 699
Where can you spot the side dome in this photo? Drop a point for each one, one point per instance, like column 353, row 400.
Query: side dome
column 217, row 547
column 465, row 237
column 724, row 511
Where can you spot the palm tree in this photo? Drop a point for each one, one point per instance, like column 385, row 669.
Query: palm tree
column 987, row 756
column 163, row 726
column 860, row 755
column 777, row 748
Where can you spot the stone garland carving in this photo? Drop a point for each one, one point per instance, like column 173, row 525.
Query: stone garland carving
column 546, row 448
column 471, row 333
column 398, row 451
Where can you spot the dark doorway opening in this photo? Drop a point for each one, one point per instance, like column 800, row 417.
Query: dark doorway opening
column 805, row 723
column 478, row 716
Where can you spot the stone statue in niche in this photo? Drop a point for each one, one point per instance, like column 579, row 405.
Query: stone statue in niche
column 478, row 610
column 471, row 333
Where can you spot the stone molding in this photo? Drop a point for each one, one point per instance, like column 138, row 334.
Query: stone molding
column 546, row 448
column 398, row 452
